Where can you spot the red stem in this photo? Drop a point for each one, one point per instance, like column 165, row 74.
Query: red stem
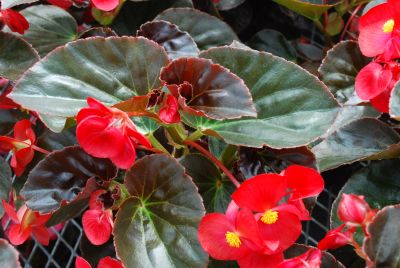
column 153, row 150
column 36, row 148
column 355, row 11
column 215, row 160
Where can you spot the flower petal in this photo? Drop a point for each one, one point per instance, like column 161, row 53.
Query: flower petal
column 372, row 80
column 105, row 5
column 10, row 211
column 15, row 21
column 304, row 181
column 23, row 131
column 81, row 263
column 256, row 260
column 108, row 262
column 41, row 234
column 381, row 102
column 169, row 112
column 17, row 235
column 97, row 227
column 127, row 155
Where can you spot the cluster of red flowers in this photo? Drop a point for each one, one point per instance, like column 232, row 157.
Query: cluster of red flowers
column 379, row 38
column 355, row 212
column 263, row 220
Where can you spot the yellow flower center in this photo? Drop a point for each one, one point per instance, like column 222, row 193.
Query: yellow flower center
column 233, row 239
column 388, row 26
column 269, row 217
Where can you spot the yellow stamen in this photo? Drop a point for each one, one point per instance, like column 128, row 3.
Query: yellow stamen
column 388, row 26
column 233, row 239
column 269, row 217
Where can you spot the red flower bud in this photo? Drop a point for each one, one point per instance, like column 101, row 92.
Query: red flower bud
column 353, row 209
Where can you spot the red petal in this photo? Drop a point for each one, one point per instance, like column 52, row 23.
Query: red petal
column 98, row 138
column 94, row 202
column 15, row 21
column 21, row 159
column 310, row 259
column 303, row 213
column 256, row 260
column 81, row 263
column 41, row 219
column 95, row 108
column 64, row 4
column 212, row 236
column 23, row 131
column 138, row 137
column 42, row 235
column 381, row 102
column 246, row 226
column 261, row 192
column 10, row 211
column 126, row 157
column 6, row 143
column 17, row 235
column 353, row 209
column 105, row 5
column 169, row 112
column 97, row 227
column 372, row 80
column 335, row 238
column 108, row 262
column 304, row 181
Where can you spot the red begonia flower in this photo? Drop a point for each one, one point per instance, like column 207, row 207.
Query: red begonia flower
column 380, row 31
column 97, row 222
column 14, row 20
column 105, row 5
column 169, row 111
column 257, row 260
column 310, row 259
column 354, row 210
column 337, row 238
column 21, row 146
column 25, row 223
column 376, row 81
column 64, row 4
column 304, row 181
column 106, row 262
column 108, row 133
column 276, row 222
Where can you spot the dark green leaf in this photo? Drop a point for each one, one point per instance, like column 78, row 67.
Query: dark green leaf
column 215, row 190
column 359, row 139
column 206, row 30
column 5, row 4
column 328, row 261
column 110, row 70
column 312, row 9
column 8, row 118
column 8, row 255
column 16, row 56
column 228, row 4
column 5, row 183
column 274, row 42
column 382, row 247
column 157, row 226
column 97, row 31
column 394, row 104
column 176, row 43
column 49, row 27
column 293, row 106
column 61, row 176
column 68, row 211
column 340, row 68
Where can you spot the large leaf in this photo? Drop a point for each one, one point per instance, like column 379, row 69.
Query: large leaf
column 49, row 27
column 157, row 226
column 110, row 70
column 16, row 56
column 312, row 9
column 215, row 190
column 382, row 247
column 61, row 176
column 5, row 4
column 327, row 261
column 176, row 42
column 5, row 182
column 293, row 106
column 394, row 104
column 355, row 141
column 8, row 255
column 212, row 90
column 206, row 30
column 340, row 68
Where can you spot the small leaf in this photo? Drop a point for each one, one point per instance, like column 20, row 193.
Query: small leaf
column 312, row 9
column 335, row 24
column 5, row 183
column 8, row 255
column 157, row 226
column 359, row 139
column 111, row 70
column 16, row 56
column 213, row 90
column 215, row 190
column 176, row 43
column 382, row 247
column 327, row 261
column 206, row 30
column 340, row 68
column 49, row 27
column 97, row 31
column 61, row 176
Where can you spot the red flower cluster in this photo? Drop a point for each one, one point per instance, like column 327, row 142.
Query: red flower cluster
column 169, row 110
column 263, row 220
column 106, row 262
column 379, row 38
column 97, row 222
column 14, row 20
column 104, row 5
column 108, row 133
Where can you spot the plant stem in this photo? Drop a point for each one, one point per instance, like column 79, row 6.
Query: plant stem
column 215, row 160
column 195, row 135
column 156, row 144
column 36, row 148
column 353, row 14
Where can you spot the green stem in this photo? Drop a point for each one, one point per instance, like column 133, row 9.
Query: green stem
column 195, row 135
column 156, row 144
column 177, row 133
column 228, row 155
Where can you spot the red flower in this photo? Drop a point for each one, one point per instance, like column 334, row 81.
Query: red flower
column 105, row 5
column 64, row 4
column 14, row 20
column 337, row 238
column 21, row 145
column 25, row 223
column 277, row 222
column 376, row 81
column 169, row 111
column 258, row 260
column 106, row 262
column 354, row 211
column 97, row 222
column 310, row 259
column 108, row 133
column 380, row 31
